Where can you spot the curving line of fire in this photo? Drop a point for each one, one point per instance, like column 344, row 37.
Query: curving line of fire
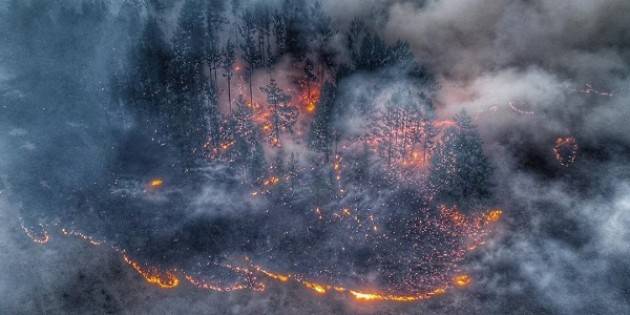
column 169, row 279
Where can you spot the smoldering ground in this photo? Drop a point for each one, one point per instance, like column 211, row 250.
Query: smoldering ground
column 561, row 248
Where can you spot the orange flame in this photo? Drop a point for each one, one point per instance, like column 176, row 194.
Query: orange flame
column 462, row 281
column 494, row 215
column 318, row 288
column 166, row 280
column 308, row 100
column 271, row 181
column 156, row 183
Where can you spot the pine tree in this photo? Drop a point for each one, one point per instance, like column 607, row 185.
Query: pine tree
column 320, row 132
column 214, row 23
column 283, row 114
column 148, row 77
column 279, row 32
column 460, row 171
column 355, row 36
column 229, row 57
column 250, row 54
column 262, row 22
column 187, row 80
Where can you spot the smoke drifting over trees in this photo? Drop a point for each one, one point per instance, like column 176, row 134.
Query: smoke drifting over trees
column 293, row 156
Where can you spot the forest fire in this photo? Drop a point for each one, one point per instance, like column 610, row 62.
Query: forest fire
column 314, row 156
column 566, row 150
column 405, row 145
column 291, row 113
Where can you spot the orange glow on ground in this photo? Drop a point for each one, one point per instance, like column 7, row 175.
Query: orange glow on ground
column 156, row 183
column 494, row 215
column 200, row 284
column 166, row 280
column 462, row 281
column 271, row 181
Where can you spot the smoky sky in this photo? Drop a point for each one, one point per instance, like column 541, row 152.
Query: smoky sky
column 528, row 72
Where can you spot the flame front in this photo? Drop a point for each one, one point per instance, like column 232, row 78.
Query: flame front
column 166, row 280
column 475, row 228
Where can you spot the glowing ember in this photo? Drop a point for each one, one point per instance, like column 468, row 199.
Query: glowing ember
column 200, row 284
column 81, row 236
column 271, row 181
column 494, row 215
column 309, row 100
column 227, row 145
column 39, row 238
column 462, row 281
column 156, row 183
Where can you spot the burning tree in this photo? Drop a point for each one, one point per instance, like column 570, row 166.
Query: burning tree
column 283, row 114
column 402, row 134
column 309, row 78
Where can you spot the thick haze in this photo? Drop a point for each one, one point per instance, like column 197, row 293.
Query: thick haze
column 528, row 72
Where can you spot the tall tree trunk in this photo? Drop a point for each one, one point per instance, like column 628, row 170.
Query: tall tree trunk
column 251, row 92
column 229, row 80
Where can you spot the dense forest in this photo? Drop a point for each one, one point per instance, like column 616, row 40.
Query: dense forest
column 232, row 131
column 389, row 151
